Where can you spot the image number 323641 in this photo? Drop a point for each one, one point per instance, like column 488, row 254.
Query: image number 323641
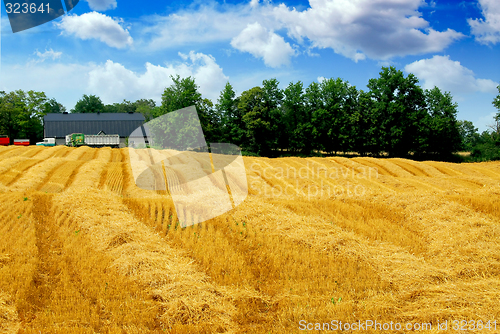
column 24, row 8
column 29, row 14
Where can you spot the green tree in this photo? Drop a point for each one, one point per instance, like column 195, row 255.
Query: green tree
column 21, row 114
column 297, row 120
column 89, row 104
column 366, row 133
column 257, row 122
column 52, row 106
column 210, row 121
column 181, row 94
column 320, row 121
column 36, row 107
column 322, row 132
column 176, row 130
column 334, row 93
column 10, row 110
column 122, row 107
column 146, row 107
column 401, row 113
column 469, row 135
column 348, row 132
column 487, row 147
column 333, row 103
column 273, row 100
column 231, row 123
column 184, row 93
column 444, row 132
column 111, row 108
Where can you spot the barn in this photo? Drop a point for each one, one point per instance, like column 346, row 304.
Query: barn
column 59, row 125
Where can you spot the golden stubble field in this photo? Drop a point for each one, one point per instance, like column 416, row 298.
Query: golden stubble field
column 83, row 250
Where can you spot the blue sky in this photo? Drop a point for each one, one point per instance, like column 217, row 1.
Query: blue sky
column 121, row 49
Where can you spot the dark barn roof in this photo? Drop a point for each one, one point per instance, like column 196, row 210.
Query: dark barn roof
column 60, row 125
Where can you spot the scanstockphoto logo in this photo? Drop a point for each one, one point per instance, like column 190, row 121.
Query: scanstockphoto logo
column 170, row 153
column 25, row 14
column 311, row 181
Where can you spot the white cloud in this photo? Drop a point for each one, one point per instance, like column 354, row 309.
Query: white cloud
column 102, row 5
column 254, row 3
column 264, row 44
column 113, row 82
column 65, row 82
column 96, row 26
column 209, row 23
column 487, row 30
column 449, row 75
column 208, row 74
column 379, row 29
column 48, row 54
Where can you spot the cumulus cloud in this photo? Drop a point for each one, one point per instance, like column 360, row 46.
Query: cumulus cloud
column 96, row 26
column 449, row 75
column 48, row 54
column 102, row 5
column 113, row 82
column 254, row 3
column 265, row 44
column 487, row 30
column 379, row 29
column 65, row 82
column 209, row 23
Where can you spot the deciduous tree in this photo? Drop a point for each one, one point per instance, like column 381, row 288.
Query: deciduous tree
column 468, row 134
column 181, row 94
column 257, row 122
column 146, row 107
column 444, row 133
column 89, row 104
column 52, row 106
column 231, row 122
column 21, row 114
column 399, row 104
column 297, row 119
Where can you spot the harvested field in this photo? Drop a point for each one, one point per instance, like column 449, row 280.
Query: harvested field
column 84, row 250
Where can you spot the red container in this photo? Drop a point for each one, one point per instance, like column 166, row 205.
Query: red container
column 4, row 140
column 21, row 142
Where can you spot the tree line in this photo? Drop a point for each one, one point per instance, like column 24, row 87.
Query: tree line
column 21, row 114
column 394, row 116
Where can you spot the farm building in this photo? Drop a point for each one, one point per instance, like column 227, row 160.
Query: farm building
column 59, row 125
